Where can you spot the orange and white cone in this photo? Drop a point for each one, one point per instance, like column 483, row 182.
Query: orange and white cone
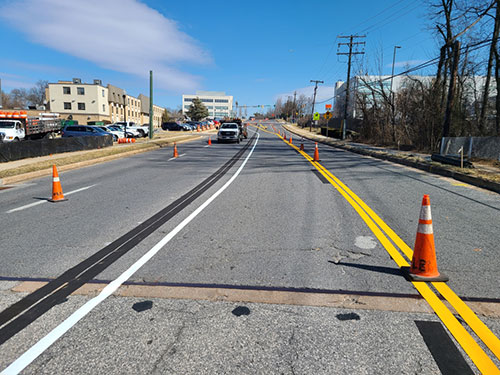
column 291, row 140
column 423, row 263
column 302, row 144
column 57, row 193
column 176, row 154
column 316, row 153
column 209, row 141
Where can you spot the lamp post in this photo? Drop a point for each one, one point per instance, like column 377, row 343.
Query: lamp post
column 393, row 120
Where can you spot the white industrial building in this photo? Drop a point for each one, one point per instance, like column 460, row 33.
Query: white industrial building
column 217, row 102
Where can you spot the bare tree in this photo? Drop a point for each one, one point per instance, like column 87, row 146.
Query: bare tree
column 36, row 95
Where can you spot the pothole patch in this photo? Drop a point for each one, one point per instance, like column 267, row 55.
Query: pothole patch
column 365, row 242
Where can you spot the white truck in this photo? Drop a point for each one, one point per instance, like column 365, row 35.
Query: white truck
column 16, row 126
column 143, row 131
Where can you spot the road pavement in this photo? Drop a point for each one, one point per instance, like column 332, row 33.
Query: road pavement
column 260, row 265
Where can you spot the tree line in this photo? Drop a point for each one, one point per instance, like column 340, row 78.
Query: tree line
column 20, row 98
column 460, row 99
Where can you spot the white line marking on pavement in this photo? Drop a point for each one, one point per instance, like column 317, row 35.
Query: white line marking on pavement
column 32, row 353
column 45, row 201
column 177, row 157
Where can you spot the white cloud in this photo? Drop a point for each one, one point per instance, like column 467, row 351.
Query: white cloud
column 323, row 93
column 121, row 35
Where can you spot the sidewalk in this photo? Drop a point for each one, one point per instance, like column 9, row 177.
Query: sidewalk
column 484, row 176
column 25, row 169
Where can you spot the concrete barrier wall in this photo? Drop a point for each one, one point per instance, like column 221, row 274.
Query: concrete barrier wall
column 480, row 147
column 30, row 149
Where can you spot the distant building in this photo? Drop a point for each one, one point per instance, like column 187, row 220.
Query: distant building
column 79, row 101
column 217, row 102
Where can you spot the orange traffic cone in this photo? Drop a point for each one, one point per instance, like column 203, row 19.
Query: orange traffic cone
column 209, row 140
column 423, row 263
column 176, row 154
column 198, row 129
column 316, row 153
column 291, row 140
column 57, row 193
column 301, row 146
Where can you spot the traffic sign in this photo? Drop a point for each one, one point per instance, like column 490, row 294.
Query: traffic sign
column 328, row 115
column 316, row 116
column 328, row 106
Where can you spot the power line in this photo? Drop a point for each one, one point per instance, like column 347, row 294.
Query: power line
column 397, row 13
column 390, row 7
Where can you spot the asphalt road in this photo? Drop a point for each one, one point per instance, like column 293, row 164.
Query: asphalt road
column 276, row 273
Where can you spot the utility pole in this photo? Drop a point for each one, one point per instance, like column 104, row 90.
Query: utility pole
column 151, row 114
column 294, row 109
column 393, row 120
column 314, row 101
column 350, row 53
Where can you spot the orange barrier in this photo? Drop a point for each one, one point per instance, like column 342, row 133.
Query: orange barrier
column 316, row 153
column 126, row 140
column 423, row 263
column 57, row 193
column 176, row 154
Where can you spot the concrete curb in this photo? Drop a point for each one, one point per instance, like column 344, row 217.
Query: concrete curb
column 86, row 163
column 427, row 167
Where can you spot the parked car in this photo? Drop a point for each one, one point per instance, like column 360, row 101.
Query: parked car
column 116, row 131
column 173, row 126
column 135, row 133
column 84, row 131
column 229, row 132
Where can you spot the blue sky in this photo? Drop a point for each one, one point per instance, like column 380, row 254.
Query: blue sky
column 255, row 51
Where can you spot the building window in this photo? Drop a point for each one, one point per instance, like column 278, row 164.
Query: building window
column 104, row 107
column 103, row 93
column 80, row 90
column 81, row 106
column 66, row 90
column 67, row 105
column 188, row 99
column 221, row 101
column 207, row 100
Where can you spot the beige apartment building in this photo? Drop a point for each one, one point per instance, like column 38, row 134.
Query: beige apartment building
column 116, row 99
column 83, row 102
column 157, row 112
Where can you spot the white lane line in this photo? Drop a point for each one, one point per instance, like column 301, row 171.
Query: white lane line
column 32, row 353
column 45, row 201
column 176, row 157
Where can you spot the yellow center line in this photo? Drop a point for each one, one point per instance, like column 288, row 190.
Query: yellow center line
column 470, row 346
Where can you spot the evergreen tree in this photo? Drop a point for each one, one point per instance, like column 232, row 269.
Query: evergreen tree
column 197, row 110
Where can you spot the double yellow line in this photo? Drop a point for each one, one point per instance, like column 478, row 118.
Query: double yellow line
column 383, row 232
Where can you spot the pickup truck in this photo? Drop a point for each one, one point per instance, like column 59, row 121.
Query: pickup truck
column 229, row 132
column 143, row 131
column 16, row 126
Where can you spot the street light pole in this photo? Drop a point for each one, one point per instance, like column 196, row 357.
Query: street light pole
column 393, row 120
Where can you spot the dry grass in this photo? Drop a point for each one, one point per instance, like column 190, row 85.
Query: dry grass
column 92, row 155
column 489, row 175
